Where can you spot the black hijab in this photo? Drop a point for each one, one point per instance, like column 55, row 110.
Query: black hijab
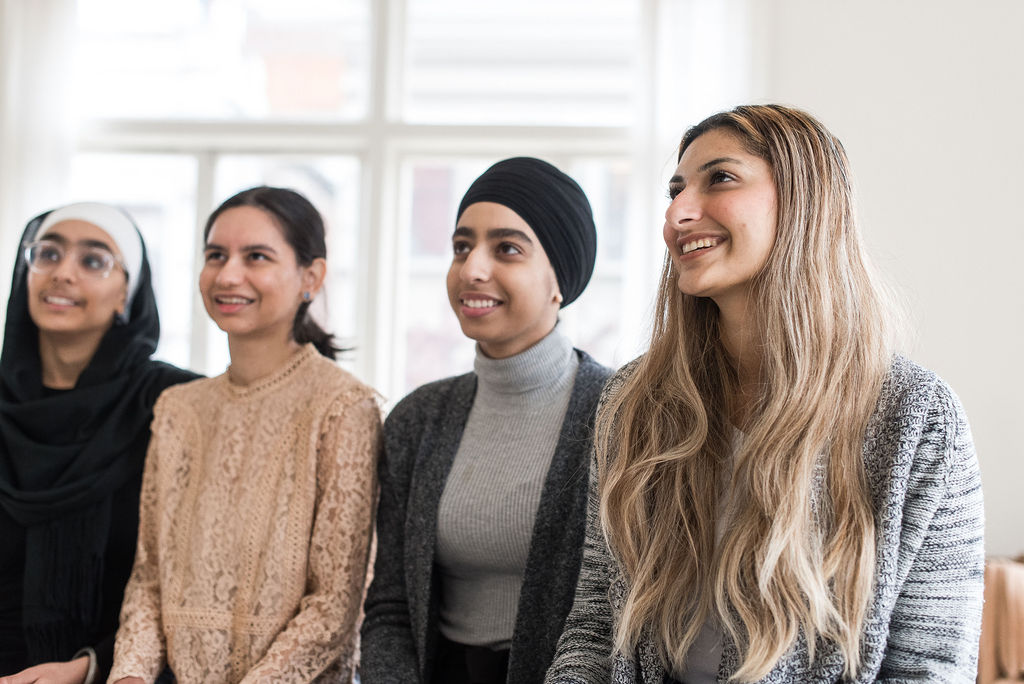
column 64, row 454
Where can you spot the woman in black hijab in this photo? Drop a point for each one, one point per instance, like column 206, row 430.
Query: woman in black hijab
column 77, row 388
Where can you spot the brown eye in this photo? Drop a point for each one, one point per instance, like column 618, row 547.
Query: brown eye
column 95, row 261
column 720, row 177
column 509, row 249
column 46, row 254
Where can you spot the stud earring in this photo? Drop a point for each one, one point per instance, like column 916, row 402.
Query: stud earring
column 306, row 297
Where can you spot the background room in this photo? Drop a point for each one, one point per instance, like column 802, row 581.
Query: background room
column 383, row 111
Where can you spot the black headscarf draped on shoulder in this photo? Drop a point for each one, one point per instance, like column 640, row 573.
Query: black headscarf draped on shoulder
column 63, row 455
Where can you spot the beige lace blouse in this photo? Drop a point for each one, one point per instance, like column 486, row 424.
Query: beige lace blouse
column 255, row 527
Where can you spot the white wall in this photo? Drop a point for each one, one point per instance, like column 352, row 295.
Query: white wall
column 928, row 98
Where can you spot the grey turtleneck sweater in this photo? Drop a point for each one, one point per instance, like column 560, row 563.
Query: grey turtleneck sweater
column 487, row 511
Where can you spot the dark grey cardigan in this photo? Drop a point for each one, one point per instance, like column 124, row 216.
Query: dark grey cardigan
column 421, row 436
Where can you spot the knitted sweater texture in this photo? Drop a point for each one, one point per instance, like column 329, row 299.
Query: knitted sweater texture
column 256, row 520
column 924, row 618
column 421, row 437
column 487, row 512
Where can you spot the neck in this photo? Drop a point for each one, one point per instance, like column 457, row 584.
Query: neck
column 252, row 359
column 64, row 357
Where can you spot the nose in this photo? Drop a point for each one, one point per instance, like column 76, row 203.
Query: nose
column 477, row 266
column 66, row 269
column 684, row 208
column 230, row 273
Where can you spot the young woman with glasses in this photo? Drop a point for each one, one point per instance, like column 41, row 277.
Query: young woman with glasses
column 77, row 388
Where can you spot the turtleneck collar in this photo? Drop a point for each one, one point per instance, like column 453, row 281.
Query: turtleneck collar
column 542, row 369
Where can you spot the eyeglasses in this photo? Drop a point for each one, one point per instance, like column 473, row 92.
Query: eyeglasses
column 44, row 256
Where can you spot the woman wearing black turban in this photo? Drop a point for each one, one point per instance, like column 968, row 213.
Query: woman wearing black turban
column 483, row 476
column 77, row 389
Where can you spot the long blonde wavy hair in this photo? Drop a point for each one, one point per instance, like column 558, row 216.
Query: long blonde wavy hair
column 797, row 547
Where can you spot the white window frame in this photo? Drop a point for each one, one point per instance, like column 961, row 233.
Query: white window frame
column 382, row 142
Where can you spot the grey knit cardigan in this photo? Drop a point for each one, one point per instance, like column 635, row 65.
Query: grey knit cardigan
column 421, row 436
column 924, row 619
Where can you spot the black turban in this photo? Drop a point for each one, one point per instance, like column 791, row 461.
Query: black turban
column 554, row 207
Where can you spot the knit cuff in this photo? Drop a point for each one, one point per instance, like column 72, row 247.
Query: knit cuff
column 90, row 674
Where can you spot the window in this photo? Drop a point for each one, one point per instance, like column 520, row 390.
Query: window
column 382, row 113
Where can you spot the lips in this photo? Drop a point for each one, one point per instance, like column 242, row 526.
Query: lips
column 58, row 300
column 476, row 305
column 230, row 303
column 690, row 245
column 693, row 245
column 479, row 303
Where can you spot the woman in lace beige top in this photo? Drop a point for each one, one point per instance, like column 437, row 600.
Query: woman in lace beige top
column 258, row 494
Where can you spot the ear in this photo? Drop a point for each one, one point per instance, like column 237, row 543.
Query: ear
column 313, row 276
column 556, row 291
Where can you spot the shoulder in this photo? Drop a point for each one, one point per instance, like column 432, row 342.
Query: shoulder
column 324, row 378
column 618, row 379
column 160, row 375
column 590, row 379
column 185, row 393
column 590, row 375
column 184, row 402
column 914, row 399
column 918, row 432
column 428, row 400
column 167, row 374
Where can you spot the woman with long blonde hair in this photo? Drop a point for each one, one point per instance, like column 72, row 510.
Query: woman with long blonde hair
column 778, row 497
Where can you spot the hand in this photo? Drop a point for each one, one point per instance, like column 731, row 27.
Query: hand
column 71, row 672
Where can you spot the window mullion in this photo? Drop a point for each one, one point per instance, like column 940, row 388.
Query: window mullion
column 206, row 162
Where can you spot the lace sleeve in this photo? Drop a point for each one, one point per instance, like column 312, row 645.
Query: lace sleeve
column 139, row 650
column 325, row 630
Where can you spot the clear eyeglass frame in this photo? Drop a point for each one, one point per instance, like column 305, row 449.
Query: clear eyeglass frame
column 44, row 256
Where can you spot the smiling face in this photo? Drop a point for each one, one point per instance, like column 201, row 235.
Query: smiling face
column 720, row 225
column 501, row 285
column 66, row 300
column 251, row 282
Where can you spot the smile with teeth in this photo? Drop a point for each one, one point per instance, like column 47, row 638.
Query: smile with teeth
column 480, row 303
column 232, row 300
column 58, row 300
column 701, row 243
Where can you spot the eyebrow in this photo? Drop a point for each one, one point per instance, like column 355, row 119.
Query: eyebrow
column 715, row 162
column 246, row 248
column 494, row 234
column 707, row 165
column 57, row 237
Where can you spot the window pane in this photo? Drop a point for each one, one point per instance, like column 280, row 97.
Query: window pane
column 594, row 320
column 233, row 59
column 434, row 344
column 159, row 193
column 524, row 62
column 332, row 185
